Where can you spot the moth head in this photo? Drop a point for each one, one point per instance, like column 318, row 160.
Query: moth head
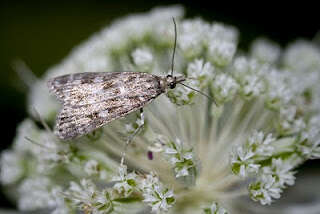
column 173, row 81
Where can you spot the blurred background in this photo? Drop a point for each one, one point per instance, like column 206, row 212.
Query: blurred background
column 42, row 33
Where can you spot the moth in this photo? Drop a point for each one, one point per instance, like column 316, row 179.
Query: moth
column 91, row 100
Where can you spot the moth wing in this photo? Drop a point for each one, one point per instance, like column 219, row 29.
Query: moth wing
column 84, row 88
column 126, row 92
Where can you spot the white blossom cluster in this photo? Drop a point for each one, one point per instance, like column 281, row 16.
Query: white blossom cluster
column 87, row 197
column 249, row 143
column 271, row 161
column 181, row 159
column 156, row 195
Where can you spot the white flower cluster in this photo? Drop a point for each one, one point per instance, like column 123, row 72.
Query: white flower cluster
column 88, row 198
column 265, row 51
column 270, row 89
column 290, row 122
column 248, row 73
column 126, row 183
column 12, row 167
column 191, row 37
column 219, row 40
column 272, row 180
column 200, row 71
column 222, row 42
column 286, row 90
column 309, row 142
column 268, row 159
column 255, row 158
column 41, row 193
column 143, row 59
column 181, row 159
column 279, row 92
column 224, row 87
column 245, row 159
column 156, row 195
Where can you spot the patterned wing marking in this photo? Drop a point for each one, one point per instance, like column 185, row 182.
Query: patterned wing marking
column 81, row 116
column 89, row 88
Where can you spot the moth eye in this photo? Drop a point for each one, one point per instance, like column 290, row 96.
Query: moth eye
column 172, row 85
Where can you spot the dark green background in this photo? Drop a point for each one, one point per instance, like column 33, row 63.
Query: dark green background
column 42, row 33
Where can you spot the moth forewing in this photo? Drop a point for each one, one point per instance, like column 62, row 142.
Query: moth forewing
column 91, row 100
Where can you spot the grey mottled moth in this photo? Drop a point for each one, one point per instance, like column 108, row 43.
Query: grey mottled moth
column 91, row 100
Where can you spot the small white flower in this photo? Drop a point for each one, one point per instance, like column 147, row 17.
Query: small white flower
column 282, row 170
column 265, row 50
column 180, row 158
column 159, row 198
column 201, row 71
column 222, row 42
column 302, row 56
column 26, row 129
column 242, row 162
column 221, row 52
column 61, row 206
column 309, row 143
column 11, row 165
column 35, row 193
column 246, row 159
column 224, row 87
column 125, row 182
column 265, row 190
column 93, row 168
column 142, row 58
column 192, row 37
column 249, row 75
column 261, row 143
column 149, row 181
column 252, row 86
column 88, row 198
column 289, row 122
column 279, row 91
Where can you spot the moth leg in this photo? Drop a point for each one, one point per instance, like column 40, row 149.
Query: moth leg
column 140, row 123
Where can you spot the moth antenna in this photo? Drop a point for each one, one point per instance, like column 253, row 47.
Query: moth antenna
column 175, row 44
column 200, row 92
